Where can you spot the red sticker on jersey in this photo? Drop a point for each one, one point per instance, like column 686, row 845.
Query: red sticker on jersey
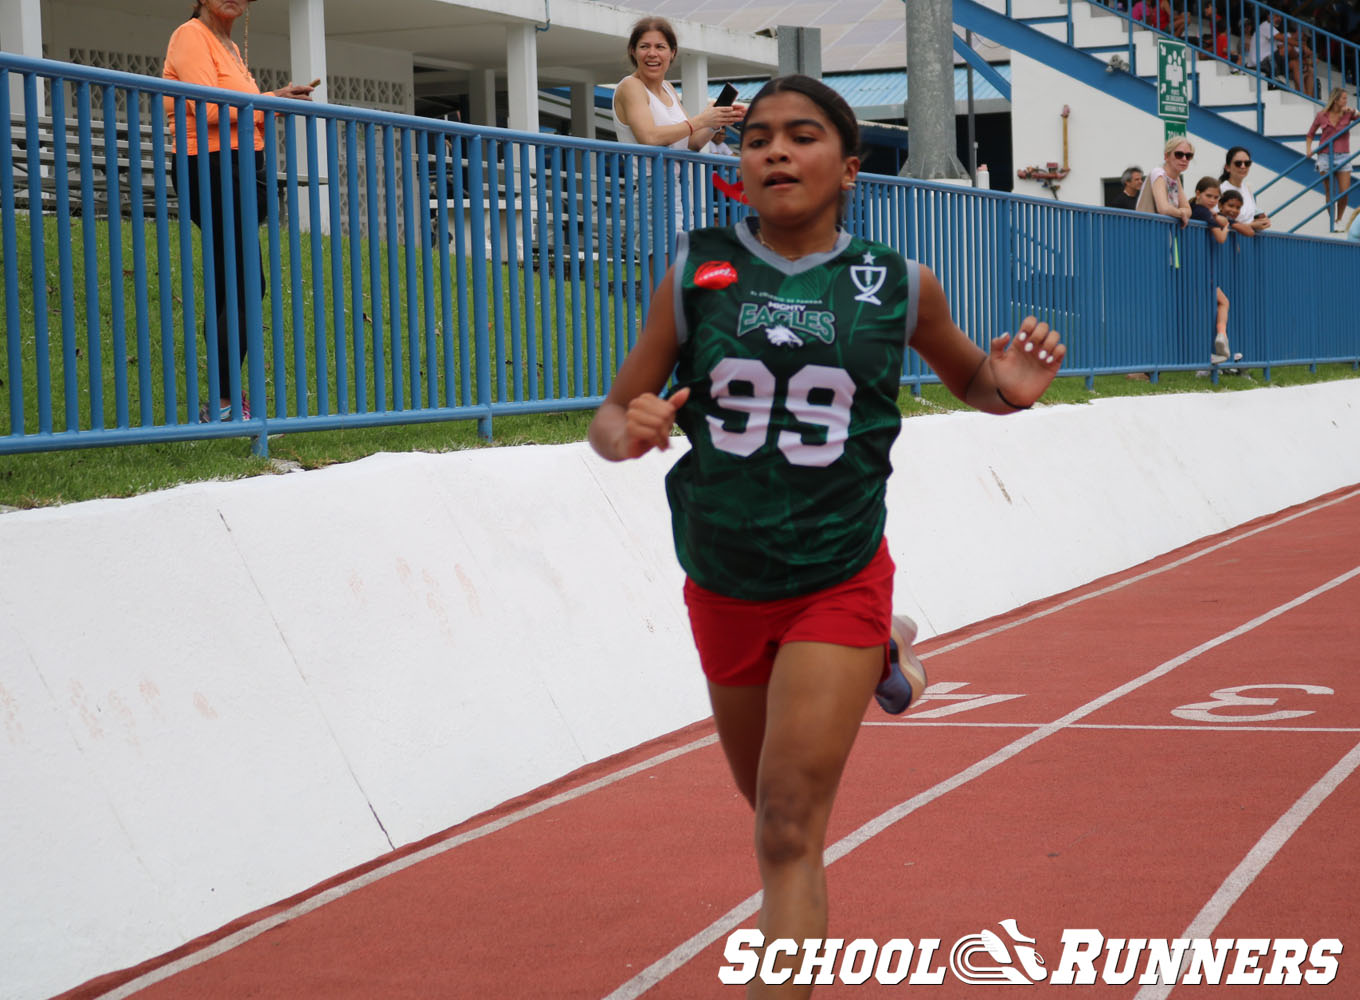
column 715, row 274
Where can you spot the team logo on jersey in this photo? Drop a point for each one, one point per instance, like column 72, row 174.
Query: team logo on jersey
column 782, row 336
column 868, row 278
column 715, row 274
column 787, row 324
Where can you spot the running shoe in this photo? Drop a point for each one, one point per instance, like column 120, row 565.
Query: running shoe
column 906, row 680
column 1222, row 352
column 205, row 413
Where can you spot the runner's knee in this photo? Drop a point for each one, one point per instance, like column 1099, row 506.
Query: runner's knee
column 786, row 813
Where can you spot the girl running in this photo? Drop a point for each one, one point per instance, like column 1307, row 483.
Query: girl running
column 786, row 336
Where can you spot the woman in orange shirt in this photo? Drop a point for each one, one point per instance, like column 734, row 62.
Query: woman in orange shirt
column 201, row 52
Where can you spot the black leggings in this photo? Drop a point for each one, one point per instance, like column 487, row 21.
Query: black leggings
column 219, row 253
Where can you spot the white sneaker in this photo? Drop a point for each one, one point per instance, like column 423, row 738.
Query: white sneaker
column 906, row 680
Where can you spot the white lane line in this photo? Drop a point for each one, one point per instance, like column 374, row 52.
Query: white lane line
column 338, row 891
column 1257, row 858
column 724, row 925
column 1138, row 578
column 245, row 934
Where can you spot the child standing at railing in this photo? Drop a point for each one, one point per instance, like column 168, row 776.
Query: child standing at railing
column 1205, row 209
column 787, row 336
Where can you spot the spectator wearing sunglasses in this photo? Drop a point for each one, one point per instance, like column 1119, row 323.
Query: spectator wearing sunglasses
column 1161, row 194
column 1234, row 178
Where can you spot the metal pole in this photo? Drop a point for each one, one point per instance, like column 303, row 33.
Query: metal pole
column 930, row 91
column 972, row 124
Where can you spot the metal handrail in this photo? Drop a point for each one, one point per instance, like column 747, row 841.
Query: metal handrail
column 1329, row 201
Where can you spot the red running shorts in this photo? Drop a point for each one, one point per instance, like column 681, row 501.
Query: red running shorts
column 738, row 640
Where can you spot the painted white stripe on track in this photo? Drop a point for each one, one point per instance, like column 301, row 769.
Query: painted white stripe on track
column 1257, row 858
column 336, row 892
column 719, row 929
column 245, row 934
column 1189, row 728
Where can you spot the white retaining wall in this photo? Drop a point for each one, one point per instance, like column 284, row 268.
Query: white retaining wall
column 216, row 696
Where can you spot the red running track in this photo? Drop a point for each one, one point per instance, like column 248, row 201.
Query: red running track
column 1167, row 753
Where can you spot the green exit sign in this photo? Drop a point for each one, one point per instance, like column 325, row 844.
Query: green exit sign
column 1173, row 80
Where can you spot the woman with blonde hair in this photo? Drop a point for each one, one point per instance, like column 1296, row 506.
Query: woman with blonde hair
column 1333, row 120
column 1161, row 194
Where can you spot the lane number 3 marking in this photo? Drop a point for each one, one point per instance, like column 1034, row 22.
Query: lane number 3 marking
column 1233, row 698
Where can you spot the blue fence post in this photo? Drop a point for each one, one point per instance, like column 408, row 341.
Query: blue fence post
column 336, row 219
column 394, row 298
column 66, row 273
column 514, row 259
column 278, row 349
column 409, row 245
column 481, row 336
column 231, row 388
column 136, row 211
column 320, row 340
column 37, row 243
column 187, row 287
column 356, row 275
column 375, row 268
column 250, row 257
column 527, row 155
column 9, row 241
column 429, row 367
column 164, row 267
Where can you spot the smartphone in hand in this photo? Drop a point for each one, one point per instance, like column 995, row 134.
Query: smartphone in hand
column 728, row 95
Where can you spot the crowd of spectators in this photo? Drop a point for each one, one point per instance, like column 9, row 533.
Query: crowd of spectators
column 1224, row 203
column 1285, row 46
column 1281, row 46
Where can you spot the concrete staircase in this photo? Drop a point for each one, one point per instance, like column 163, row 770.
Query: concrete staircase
column 1229, row 106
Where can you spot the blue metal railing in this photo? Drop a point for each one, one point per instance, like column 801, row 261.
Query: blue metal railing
column 418, row 270
column 430, row 271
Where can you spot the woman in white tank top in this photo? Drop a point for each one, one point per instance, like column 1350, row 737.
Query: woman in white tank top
column 647, row 110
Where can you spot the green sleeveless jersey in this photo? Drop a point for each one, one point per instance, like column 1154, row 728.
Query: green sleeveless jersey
column 793, row 368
